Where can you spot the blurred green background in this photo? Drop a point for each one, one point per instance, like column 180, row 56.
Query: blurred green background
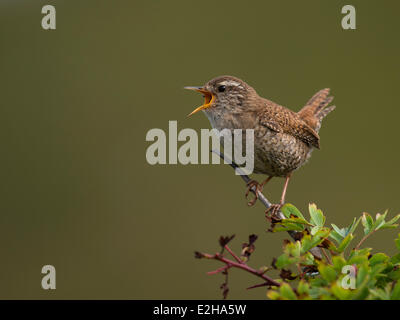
column 77, row 102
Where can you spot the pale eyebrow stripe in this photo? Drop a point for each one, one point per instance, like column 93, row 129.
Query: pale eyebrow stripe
column 230, row 82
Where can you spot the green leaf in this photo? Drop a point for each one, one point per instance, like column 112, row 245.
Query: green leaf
column 360, row 294
column 362, row 275
column 308, row 242
column 362, row 252
column 358, row 259
column 395, row 259
column 394, row 275
column 287, row 292
column 288, row 225
column 338, row 263
column 293, row 249
column 379, row 220
column 353, row 226
column 341, row 232
column 336, row 236
column 367, row 222
column 317, row 217
column 299, row 220
column 395, row 295
column 273, row 295
column 346, row 241
column 314, row 230
column 323, row 232
column 303, row 287
column 340, row 293
column 378, row 258
column 284, row 260
column 392, row 221
column 288, row 210
column 388, row 226
column 308, row 259
column 327, row 272
column 379, row 294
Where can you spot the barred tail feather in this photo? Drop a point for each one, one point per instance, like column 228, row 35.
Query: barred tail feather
column 317, row 108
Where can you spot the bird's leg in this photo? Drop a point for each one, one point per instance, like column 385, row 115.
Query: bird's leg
column 259, row 188
column 274, row 208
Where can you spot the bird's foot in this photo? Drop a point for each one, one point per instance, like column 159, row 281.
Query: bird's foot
column 273, row 211
column 250, row 185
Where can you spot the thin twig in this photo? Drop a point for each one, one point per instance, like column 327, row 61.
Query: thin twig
column 230, row 263
column 328, row 259
column 264, row 284
column 233, row 254
column 218, row 270
column 363, row 239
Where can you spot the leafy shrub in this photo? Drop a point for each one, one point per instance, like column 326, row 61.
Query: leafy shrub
column 316, row 264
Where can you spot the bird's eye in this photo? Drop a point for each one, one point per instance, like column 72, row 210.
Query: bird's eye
column 221, row 88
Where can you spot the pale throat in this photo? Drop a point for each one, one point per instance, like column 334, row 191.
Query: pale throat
column 220, row 118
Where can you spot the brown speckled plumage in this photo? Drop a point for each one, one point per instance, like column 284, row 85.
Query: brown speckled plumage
column 284, row 139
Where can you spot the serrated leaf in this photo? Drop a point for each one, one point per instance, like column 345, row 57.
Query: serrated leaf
column 317, row 217
column 288, row 210
column 367, row 222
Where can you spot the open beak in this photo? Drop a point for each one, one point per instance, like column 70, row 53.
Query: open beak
column 208, row 98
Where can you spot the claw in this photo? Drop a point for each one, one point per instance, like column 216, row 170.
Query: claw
column 274, row 211
column 250, row 185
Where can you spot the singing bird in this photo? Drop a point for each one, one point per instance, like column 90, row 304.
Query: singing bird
column 283, row 139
